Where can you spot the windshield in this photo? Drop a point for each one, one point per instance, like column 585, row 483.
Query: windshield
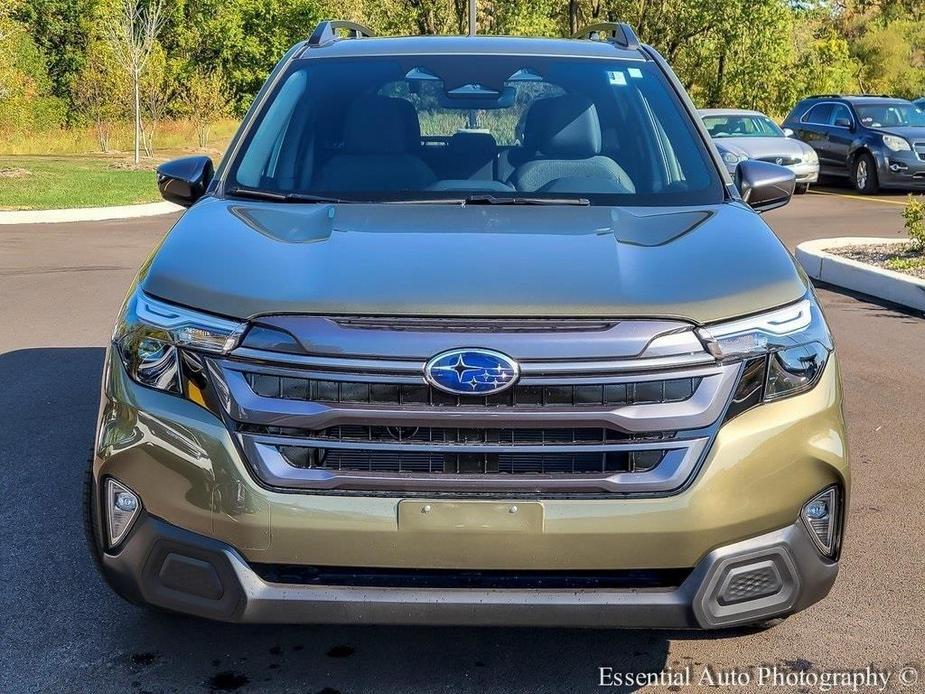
column 896, row 114
column 456, row 127
column 742, row 126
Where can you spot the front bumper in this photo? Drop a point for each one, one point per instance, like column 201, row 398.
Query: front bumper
column 182, row 462
column 178, row 570
column 900, row 170
column 805, row 172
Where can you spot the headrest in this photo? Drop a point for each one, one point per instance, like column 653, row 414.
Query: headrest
column 381, row 125
column 564, row 126
column 473, row 143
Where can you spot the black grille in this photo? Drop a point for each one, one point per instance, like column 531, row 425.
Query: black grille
column 436, row 462
column 629, row 579
column 351, row 392
column 783, row 161
column 527, row 436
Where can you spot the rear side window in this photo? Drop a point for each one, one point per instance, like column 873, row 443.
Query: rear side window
column 818, row 114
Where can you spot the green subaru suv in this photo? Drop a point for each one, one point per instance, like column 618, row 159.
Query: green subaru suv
column 471, row 330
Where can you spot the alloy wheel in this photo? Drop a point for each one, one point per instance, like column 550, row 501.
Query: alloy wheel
column 861, row 174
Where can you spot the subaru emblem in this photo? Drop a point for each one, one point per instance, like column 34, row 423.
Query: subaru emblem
column 471, row 371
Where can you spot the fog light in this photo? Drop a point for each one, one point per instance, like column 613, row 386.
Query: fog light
column 122, row 506
column 126, row 502
column 817, row 510
column 821, row 517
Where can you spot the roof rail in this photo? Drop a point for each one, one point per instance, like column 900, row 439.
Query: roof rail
column 326, row 31
column 619, row 33
column 850, row 96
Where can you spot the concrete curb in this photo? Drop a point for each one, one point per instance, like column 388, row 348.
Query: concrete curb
column 884, row 284
column 86, row 214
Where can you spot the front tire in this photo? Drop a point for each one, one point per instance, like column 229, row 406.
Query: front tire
column 801, row 188
column 864, row 174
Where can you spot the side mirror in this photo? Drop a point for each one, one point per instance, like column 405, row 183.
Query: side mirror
column 185, row 180
column 844, row 123
column 764, row 186
column 788, row 132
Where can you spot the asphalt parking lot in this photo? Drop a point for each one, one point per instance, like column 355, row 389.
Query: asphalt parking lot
column 63, row 631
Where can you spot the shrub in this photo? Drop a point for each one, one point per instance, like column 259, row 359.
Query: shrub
column 914, row 216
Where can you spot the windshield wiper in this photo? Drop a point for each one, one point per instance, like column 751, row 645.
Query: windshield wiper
column 480, row 199
column 256, row 194
column 488, row 199
column 522, row 200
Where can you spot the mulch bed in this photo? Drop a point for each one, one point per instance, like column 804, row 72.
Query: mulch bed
column 890, row 256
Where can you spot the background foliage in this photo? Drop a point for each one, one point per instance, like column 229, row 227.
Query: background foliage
column 56, row 68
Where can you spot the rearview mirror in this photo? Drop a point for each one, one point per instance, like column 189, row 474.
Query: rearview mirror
column 788, row 132
column 764, row 186
column 185, row 180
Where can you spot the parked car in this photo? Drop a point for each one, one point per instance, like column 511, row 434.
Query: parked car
column 876, row 141
column 567, row 378
column 740, row 135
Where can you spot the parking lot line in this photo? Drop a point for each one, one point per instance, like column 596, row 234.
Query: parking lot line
column 865, row 198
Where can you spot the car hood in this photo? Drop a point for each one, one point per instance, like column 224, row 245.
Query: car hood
column 913, row 134
column 762, row 147
column 244, row 259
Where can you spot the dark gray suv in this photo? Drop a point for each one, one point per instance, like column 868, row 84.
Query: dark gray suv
column 876, row 141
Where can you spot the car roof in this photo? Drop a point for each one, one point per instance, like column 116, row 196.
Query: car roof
column 471, row 45
column 729, row 112
column 860, row 99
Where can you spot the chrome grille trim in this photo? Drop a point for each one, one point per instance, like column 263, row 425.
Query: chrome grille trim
column 327, row 344
column 367, row 367
column 350, row 365
column 676, row 466
column 700, row 410
column 282, row 432
column 421, row 447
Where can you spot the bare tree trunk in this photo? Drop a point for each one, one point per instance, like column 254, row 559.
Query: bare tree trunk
column 136, row 81
column 716, row 93
column 572, row 17
column 132, row 33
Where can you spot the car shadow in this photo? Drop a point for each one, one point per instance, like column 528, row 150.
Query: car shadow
column 71, row 629
column 871, row 305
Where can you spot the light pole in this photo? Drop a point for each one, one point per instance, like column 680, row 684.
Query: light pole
column 472, row 26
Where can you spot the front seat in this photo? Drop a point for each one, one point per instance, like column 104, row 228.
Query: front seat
column 569, row 133
column 380, row 132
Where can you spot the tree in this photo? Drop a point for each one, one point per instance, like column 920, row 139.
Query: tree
column 157, row 94
column 205, row 102
column 100, row 92
column 26, row 101
column 131, row 32
column 61, row 30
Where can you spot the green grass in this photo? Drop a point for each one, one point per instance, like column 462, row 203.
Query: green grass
column 57, row 182
column 906, row 264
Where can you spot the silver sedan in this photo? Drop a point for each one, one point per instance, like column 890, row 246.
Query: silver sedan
column 740, row 135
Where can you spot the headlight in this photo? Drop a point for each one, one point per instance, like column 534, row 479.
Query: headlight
column 897, row 144
column 784, row 350
column 811, row 156
column 733, row 158
column 149, row 332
